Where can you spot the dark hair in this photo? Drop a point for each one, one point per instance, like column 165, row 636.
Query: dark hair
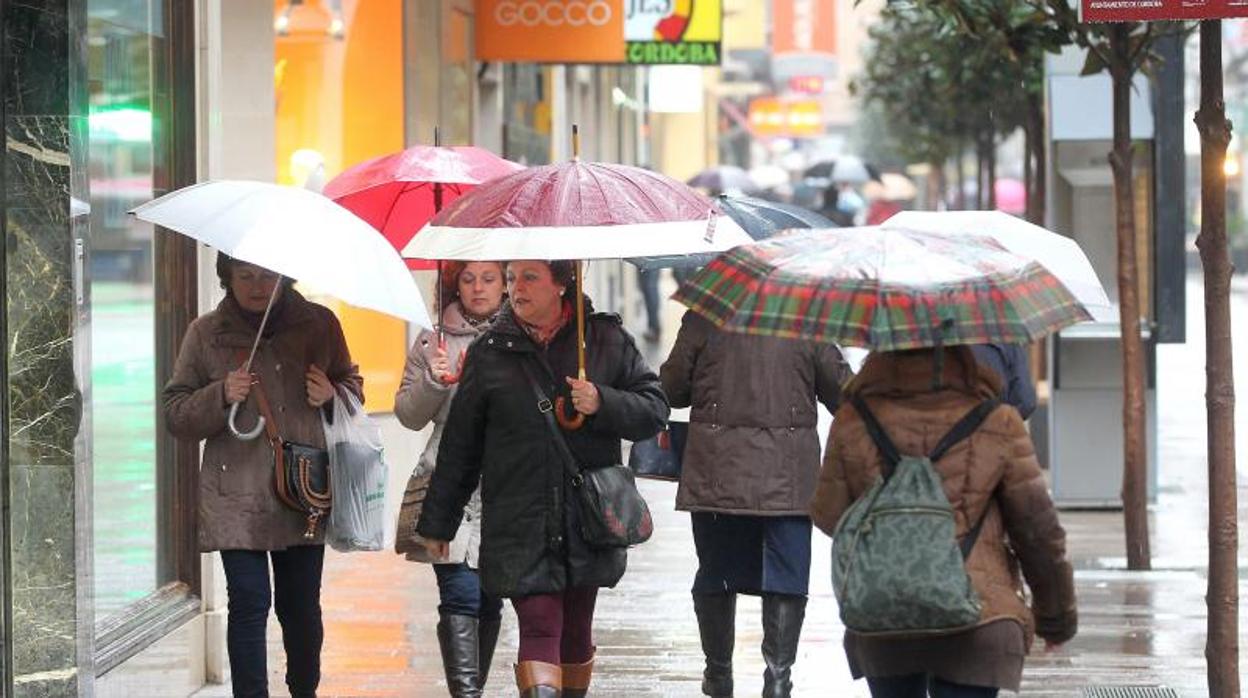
column 225, row 269
column 562, row 271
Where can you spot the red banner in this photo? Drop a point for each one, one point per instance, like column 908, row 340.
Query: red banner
column 1145, row 10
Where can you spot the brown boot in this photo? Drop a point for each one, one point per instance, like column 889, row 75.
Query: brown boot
column 576, row 679
column 539, row 680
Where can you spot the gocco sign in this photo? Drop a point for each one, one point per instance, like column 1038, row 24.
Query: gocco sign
column 598, row 31
column 553, row 13
column 1146, row 10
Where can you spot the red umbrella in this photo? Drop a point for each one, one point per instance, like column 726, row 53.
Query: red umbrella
column 398, row 193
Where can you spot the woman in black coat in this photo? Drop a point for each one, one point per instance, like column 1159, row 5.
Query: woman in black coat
column 496, row 435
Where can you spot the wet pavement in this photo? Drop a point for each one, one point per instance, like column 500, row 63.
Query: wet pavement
column 1136, row 629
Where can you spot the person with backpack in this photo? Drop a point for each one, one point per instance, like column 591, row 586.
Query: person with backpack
column 922, row 453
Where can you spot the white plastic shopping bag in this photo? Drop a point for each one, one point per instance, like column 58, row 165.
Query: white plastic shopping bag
column 357, row 471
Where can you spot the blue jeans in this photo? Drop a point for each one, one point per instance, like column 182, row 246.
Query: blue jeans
column 923, row 685
column 459, row 590
column 296, row 596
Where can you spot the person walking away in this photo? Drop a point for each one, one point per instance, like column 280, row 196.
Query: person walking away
column 301, row 360
column 749, row 466
column 468, row 620
column 994, row 485
column 1013, row 368
column 497, row 434
column 648, row 283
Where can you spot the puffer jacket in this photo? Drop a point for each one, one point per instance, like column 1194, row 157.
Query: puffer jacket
column 993, row 473
column 420, row 400
column 497, row 436
column 238, row 508
column 752, row 447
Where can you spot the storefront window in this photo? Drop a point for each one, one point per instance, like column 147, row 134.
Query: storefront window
column 123, row 378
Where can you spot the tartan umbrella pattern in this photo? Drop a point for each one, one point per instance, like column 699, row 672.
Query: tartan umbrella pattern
column 884, row 289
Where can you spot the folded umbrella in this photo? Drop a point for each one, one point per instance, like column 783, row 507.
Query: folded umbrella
column 883, row 289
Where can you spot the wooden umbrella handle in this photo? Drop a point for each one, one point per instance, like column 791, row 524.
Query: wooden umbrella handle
column 577, row 420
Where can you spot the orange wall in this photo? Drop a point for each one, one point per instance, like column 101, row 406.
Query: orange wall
column 343, row 99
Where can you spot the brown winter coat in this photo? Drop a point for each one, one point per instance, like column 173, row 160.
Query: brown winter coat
column 238, row 508
column 752, row 447
column 421, row 400
column 994, row 471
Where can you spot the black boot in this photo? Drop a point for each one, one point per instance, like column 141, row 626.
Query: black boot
column 717, row 624
column 457, row 635
column 782, row 626
column 487, row 639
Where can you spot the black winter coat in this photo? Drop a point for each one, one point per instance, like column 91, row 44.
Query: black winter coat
column 495, row 435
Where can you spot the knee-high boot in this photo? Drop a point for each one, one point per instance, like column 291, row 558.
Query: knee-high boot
column 487, row 640
column 539, row 680
column 717, row 625
column 576, row 678
column 782, row 627
column 457, row 636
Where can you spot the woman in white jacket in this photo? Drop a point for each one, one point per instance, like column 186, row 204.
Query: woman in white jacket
column 469, row 619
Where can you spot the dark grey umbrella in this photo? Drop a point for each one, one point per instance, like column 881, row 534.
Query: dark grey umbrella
column 758, row 217
column 722, row 178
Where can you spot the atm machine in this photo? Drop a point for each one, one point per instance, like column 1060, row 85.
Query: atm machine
column 1085, row 434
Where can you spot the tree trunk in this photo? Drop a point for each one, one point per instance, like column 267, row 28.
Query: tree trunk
column 936, row 186
column 959, row 176
column 1029, row 174
column 1135, row 446
column 1037, row 193
column 990, row 157
column 1222, row 597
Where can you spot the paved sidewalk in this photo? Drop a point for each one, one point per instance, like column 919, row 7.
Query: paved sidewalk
column 1135, row 628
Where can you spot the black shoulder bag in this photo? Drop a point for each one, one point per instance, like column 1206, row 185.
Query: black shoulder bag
column 613, row 513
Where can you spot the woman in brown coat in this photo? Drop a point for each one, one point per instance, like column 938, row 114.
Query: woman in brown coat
column 302, row 358
column 991, row 474
column 468, row 619
column 749, row 465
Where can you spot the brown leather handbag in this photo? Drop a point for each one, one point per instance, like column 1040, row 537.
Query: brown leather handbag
column 300, row 472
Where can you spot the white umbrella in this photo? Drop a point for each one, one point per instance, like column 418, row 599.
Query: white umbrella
column 770, row 176
column 298, row 234
column 1059, row 254
column 850, row 170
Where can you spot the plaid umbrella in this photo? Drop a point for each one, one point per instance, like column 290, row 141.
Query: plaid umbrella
column 884, row 289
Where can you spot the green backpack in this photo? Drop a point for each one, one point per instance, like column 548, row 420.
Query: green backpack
column 897, row 566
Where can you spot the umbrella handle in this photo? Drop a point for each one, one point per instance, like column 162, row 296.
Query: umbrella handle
column 576, row 421
column 241, row 435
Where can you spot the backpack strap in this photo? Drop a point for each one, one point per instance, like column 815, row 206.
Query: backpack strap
column 886, row 446
column 960, row 431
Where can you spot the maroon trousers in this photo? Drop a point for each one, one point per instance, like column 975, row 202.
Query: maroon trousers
column 557, row 628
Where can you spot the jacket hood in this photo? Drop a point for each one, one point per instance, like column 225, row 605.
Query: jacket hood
column 912, row 374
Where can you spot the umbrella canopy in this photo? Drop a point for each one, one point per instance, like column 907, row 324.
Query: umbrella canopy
column 770, row 176
column 891, row 187
column 577, row 210
column 397, row 194
column 297, row 233
column 759, row 218
column 1011, row 196
column 722, row 178
column 846, row 169
column 1059, row 254
column 883, row 289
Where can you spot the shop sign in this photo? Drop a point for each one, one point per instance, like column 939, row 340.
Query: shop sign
column 803, row 26
column 1146, row 10
column 775, row 117
column 644, row 32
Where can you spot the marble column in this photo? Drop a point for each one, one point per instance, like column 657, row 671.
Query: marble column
column 48, row 571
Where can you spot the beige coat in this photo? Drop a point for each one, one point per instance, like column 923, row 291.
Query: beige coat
column 992, row 474
column 419, row 401
column 238, row 508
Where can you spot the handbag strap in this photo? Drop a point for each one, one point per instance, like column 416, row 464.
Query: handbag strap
column 547, row 408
